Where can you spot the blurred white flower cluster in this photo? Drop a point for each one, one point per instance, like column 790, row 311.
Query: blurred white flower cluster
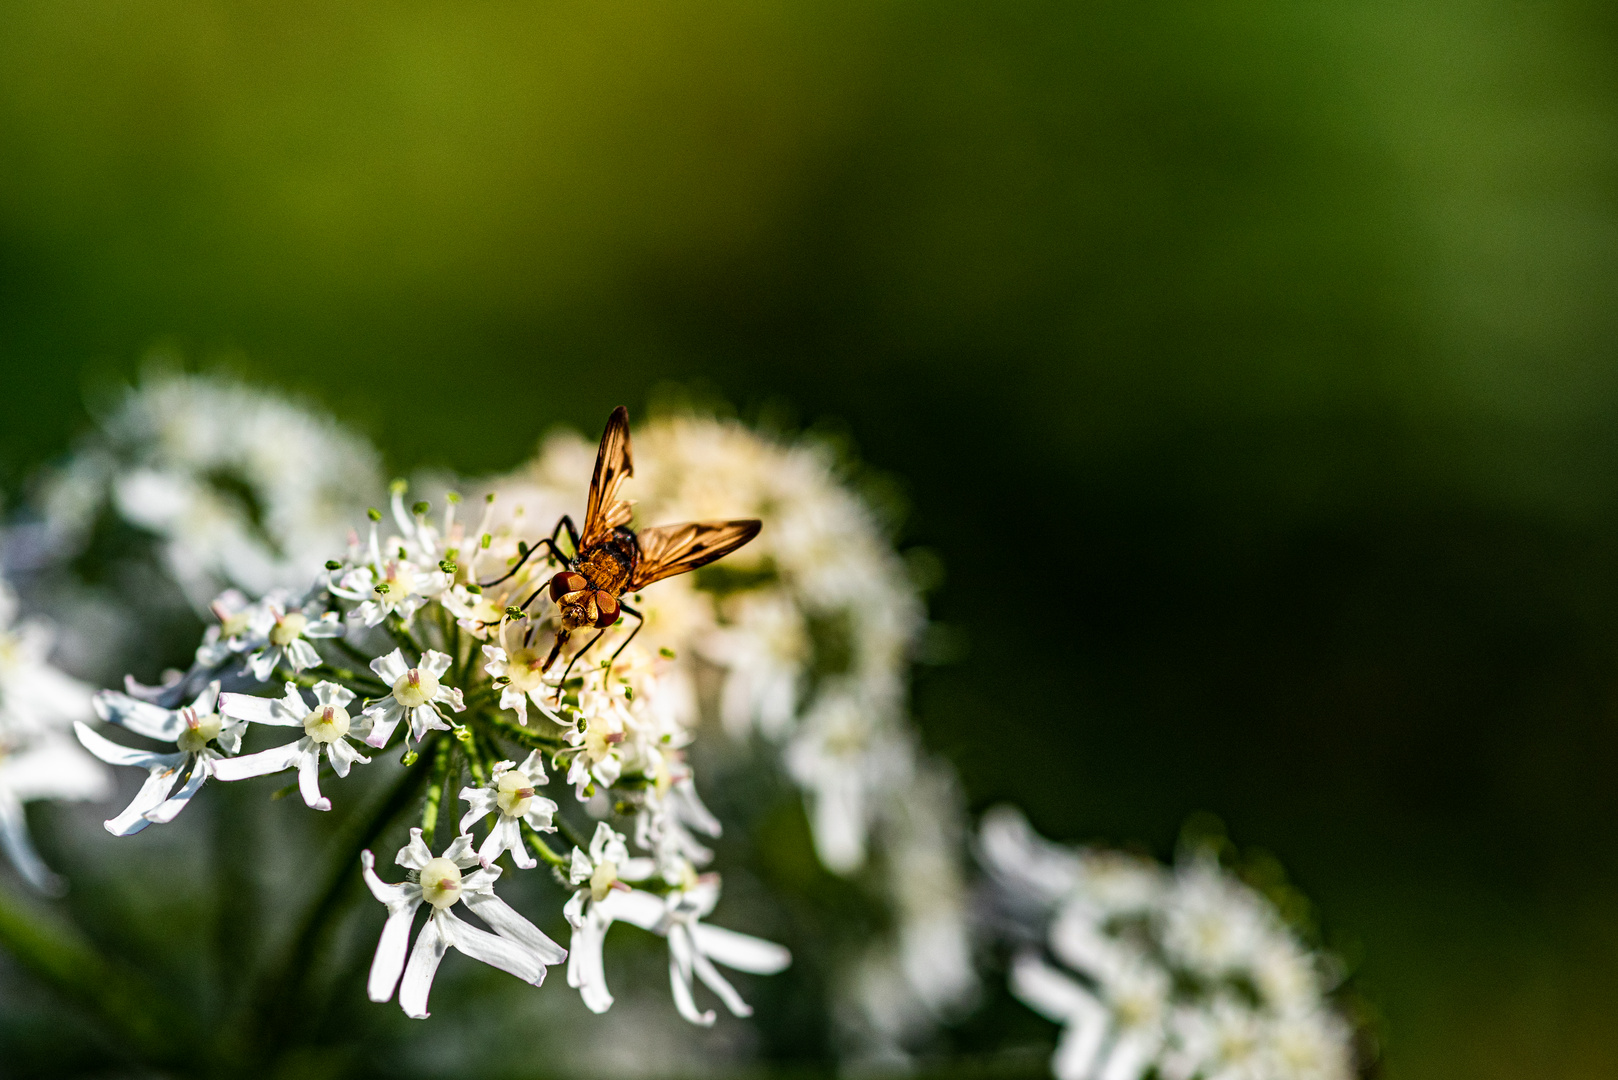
column 1179, row 974
column 804, row 639
column 38, row 757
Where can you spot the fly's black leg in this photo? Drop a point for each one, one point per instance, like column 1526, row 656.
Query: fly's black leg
column 548, row 543
column 640, row 621
column 599, row 635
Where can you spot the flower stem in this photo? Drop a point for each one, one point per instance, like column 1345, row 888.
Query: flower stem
column 435, row 791
column 542, row 849
column 527, row 736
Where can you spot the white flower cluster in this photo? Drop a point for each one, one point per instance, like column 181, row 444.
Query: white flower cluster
column 812, row 628
column 38, row 758
column 243, row 488
column 451, row 626
column 1178, row 974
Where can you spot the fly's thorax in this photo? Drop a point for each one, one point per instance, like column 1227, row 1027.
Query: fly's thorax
column 608, row 565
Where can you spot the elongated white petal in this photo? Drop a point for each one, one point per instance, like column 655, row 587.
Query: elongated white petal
column 309, row 775
column 390, row 668
column 680, row 956
column 740, row 951
column 20, row 849
column 634, row 906
column 113, row 754
column 170, row 808
column 496, row 951
column 418, row 976
column 508, row 924
column 205, row 702
column 258, row 710
column 404, row 893
column 585, row 972
column 263, row 763
column 717, row 983
column 159, row 782
column 143, row 718
column 230, row 735
column 388, row 963
column 327, row 626
column 53, row 768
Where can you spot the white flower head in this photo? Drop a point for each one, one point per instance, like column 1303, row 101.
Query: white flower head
column 510, row 797
column 201, row 738
column 284, row 630
column 327, row 727
column 516, row 945
column 523, row 668
column 417, row 694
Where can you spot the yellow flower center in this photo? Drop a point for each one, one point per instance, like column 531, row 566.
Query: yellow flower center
column 514, row 793
column 525, row 669
column 288, row 628
column 198, row 732
column 415, row 687
column 601, row 882
column 326, row 724
column 233, row 626
column 441, row 883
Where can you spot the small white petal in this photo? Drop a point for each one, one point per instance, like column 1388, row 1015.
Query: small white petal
column 508, row 924
column 434, row 662
column 390, row 668
column 415, row 854
column 140, row 717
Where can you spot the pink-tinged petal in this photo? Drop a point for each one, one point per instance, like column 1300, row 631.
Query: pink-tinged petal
column 141, row 717
column 499, row 952
column 680, row 953
column 417, row 983
column 425, row 718
column 343, row 756
column 508, row 924
column 541, row 814
column 390, row 668
column 740, row 951
column 385, row 717
column 533, row 766
column 172, row 806
column 159, row 782
column 451, row 696
column 274, row 760
column 309, row 775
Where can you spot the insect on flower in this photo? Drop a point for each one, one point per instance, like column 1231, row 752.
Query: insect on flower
column 610, row 558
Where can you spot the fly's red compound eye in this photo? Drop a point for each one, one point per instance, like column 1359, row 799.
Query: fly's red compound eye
column 606, row 610
column 565, row 582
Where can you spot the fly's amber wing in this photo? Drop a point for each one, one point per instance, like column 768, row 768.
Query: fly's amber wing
column 673, row 549
column 613, row 462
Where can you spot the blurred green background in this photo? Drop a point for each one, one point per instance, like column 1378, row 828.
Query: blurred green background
column 1266, row 348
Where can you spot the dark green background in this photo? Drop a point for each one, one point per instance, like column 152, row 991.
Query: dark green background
column 1250, row 364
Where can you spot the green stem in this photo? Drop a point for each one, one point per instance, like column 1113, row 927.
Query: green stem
column 527, row 736
column 282, row 997
column 571, row 833
column 435, row 791
column 396, row 630
column 542, row 849
column 352, row 650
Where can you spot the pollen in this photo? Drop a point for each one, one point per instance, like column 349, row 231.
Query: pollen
column 415, row 687
column 326, row 724
column 440, row 883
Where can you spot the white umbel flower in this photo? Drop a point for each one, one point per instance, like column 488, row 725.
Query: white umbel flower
column 592, row 909
column 417, row 694
column 327, row 726
column 201, row 739
column 285, row 631
column 510, row 797
column 516, row 946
